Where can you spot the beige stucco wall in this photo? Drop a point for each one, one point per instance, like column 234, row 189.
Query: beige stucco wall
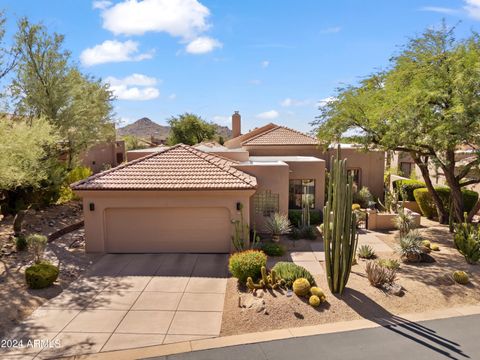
column 269, row 177
column 104, row 155
column 95, row 221
column 233, row 155
column 385, row 221
column 134, row 155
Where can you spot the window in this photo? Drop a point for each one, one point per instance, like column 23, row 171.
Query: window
column 357, row 180
column 301, row 191
column 265, row 203
column 406, row 168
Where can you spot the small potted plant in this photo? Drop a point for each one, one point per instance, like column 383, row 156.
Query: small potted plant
column 278, row 224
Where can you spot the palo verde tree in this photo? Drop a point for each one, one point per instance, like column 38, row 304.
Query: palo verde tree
column 189, row 129
column 426, row 103
column 47, row 84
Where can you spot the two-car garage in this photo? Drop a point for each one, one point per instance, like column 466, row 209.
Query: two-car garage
column 178, row 200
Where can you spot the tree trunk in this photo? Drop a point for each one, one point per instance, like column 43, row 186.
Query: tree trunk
column 18, row 221
column 454, row 185
column 423, row 165
column 475, row 210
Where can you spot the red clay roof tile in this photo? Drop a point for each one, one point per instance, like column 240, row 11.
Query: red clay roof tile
column 281, row 135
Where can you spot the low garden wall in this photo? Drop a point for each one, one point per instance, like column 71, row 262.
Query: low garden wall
column 412, row 206
column 385, row 221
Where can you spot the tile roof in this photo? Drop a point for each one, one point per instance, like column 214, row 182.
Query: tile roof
column 281, row 135
column 180, row 167
column 251, row 133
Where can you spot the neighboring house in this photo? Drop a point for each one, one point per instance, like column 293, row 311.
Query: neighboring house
column 403, row 164
column 184, row 198
column 104, row 155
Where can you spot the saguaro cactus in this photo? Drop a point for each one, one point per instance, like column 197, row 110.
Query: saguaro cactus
column 339, row 230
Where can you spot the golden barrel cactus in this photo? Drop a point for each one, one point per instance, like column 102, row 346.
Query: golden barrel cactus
column 301, row 287
column 435, row 247
column 318, row 292
column 314, row 300
column 460, row 277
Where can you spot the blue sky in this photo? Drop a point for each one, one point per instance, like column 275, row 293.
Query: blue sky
column 272, row 60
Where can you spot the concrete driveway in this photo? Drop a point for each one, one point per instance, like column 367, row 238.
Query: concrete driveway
column 128, row 301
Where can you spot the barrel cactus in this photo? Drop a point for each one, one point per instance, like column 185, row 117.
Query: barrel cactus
column 318, row 292
column 314, row 300
column 301, row 287
column 435, row 247
column 460, row 277
column 426, row 243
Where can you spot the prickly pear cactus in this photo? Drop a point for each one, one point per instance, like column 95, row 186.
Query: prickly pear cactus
column 301, row 287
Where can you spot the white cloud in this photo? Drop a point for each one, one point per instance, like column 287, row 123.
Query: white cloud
column 172, row 96
column 268, row 115
column 473, row 8
column 326, row 100
column 265, row 63
column 179, row 18
column 101, row 4
column 113, row 51
column 134, row 87
column 295, row 102
column 255, row 82
column 202, row 45
column 331, row 30
column 439, row 9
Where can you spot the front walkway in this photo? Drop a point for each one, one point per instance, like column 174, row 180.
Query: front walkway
column 130, row 301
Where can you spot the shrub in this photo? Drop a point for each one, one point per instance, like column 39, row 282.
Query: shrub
column 427, row 206
column 278, row 224
column 407, row 187
column 21, row 243
column 290, row 272
column 248, row 263
column 306, row 232
column 379, row 275
column 391, row 264
column 272, row 249
column 37, row 244
column 411, row 247
column 467, row 241
column 363, row 197
column 404, row 222
column 76, row 174
column 295, row 217
column 460, row 277
column 41, row 275
column 301, row 287
column 366, row 252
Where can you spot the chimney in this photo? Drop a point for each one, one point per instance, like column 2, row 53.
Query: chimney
column 236, row 124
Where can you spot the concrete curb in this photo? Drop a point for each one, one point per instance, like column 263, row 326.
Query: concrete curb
column 252, row 338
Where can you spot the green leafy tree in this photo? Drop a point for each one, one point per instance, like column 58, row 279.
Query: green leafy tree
column 46, row 84
column 26, row 163
column 189, row 129
column 133, row 143
column 426, row 103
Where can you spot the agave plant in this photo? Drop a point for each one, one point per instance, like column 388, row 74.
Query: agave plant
column 366, row 252
column 278, row 224
column 411, row 247
column 379, row 275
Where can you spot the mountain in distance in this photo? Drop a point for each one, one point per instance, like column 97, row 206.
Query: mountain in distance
column 145, row 128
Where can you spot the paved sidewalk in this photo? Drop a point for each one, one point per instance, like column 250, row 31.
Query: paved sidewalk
column 128, row 301
column 452, row 338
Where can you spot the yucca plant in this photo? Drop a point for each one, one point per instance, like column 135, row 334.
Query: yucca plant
column 339, row 230
column 278, row 224
column 404, row 222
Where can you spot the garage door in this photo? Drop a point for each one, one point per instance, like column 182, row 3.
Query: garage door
column 155, row 230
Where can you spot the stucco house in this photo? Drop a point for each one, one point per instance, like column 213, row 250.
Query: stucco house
column 184, row 198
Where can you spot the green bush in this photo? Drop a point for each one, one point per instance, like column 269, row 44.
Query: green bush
column 290, row 272
column 407, row 187
column 76, row 174
column 272, row 249
column 248, row 263
column 41, row 275
column 36, row 245
column 427, row 206
column 295, row 217
column 21, row 243
column 467, row 242
column 363, row 197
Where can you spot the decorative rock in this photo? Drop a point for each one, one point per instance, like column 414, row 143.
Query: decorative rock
column 265, row 312
column 251, row 302
column 427, row 258
column 259, row 293
column 393, row 289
